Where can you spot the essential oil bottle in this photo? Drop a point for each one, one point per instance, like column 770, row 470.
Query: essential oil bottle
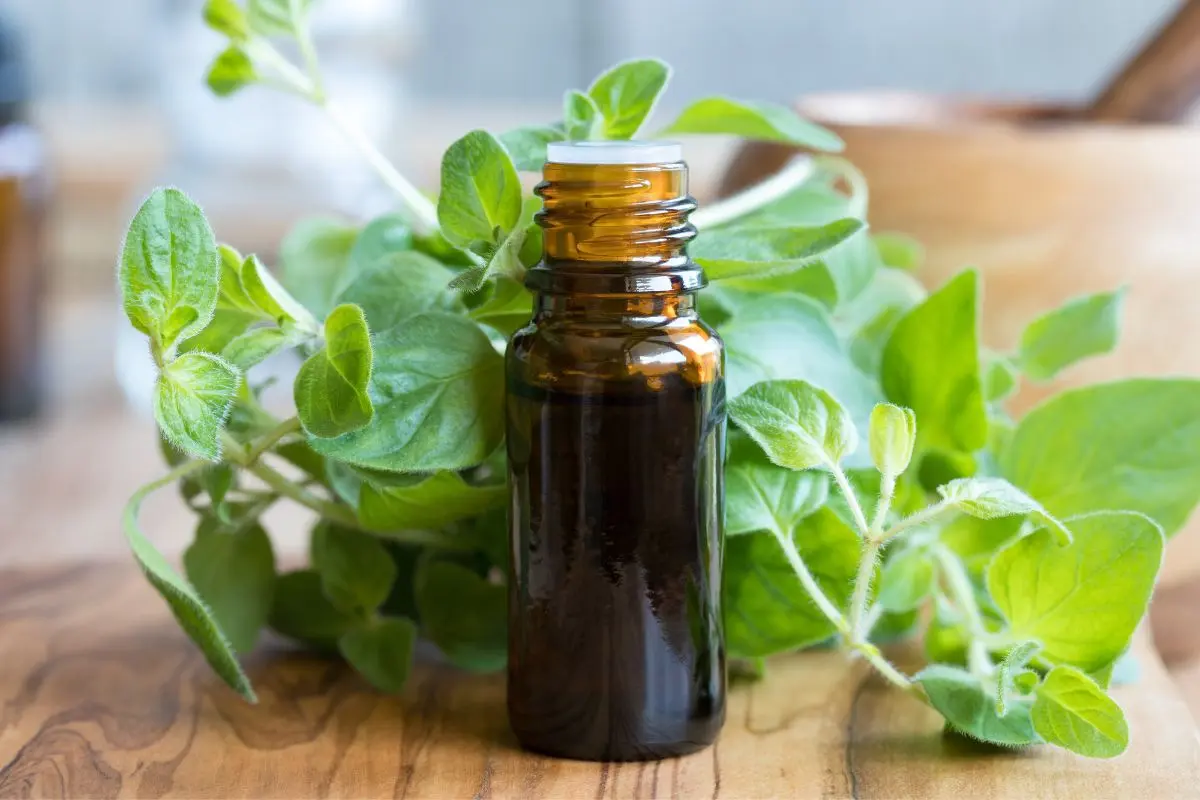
column 616, row 432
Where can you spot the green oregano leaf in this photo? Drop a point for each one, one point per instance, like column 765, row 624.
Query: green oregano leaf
column 331, row 387
column 1087, row 326
column 768, row 122
column 192, row 399
column 992, row 498
column 382, row 651
column 302, row 612
column 761, row 496
column 527, row 146
column 235, row 575
column 906, row 580
column 970, row 709
column 1071, row 711
column 464, row 614
column 424, row 502
column 481, row 194
column 227, row 17
column 278, row 17
column 626, row 94
column 312, row 258
column 1083, row 601
column 356, row 571
column 231, row 71
column 582, row 120
column 737, row 252
column 798, row 425
column 399, row 285
column 169, row 272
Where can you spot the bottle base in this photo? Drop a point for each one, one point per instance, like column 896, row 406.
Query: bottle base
column 622, row 751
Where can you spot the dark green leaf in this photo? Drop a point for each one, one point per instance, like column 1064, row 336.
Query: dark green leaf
column 767, row 122
column 761, row 496
column 235, row 575
column 331, row 387
column 399, row 285
column 425, row 502
column 356, row 571
column 381, row 651
column 464, row 615
column 627, row 93
column 437, row 389
column 302, row 612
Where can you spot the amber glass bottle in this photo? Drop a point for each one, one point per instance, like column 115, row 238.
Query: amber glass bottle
column 616, row 428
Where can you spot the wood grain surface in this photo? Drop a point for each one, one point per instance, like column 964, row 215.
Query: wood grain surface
column 101, row 696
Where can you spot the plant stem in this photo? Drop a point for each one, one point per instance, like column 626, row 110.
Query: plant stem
column 421, row 210
column 187, row 469
column 963, row 594
column 887, row 489
column 862, row 588
column 922, row 517
column 843, row 484
column 856, row 182
column 263, row 52
column 288, row 426
column 307, row 50
column 822, row 601
column 757, row 196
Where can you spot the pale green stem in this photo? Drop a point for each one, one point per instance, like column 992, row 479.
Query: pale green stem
column 963, row 595
column 307, row 51
column 823, row 603
column 856, row 510
column 862, row 589
column 757, row 196
column 887, row 489
column 284, row 429
column 856, row 182
column 922, row 517
column 263, row 52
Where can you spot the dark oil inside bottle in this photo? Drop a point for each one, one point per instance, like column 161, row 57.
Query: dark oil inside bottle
column 616, row 426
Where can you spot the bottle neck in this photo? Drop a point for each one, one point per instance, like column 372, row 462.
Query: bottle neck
column 615, row 229
column 647, row 309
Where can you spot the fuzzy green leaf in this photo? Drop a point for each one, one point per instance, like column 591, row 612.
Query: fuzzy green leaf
column 235, row 575
column 992, row 498
column 313, row 257
column 271, row 299
column 356, row 571
column 1071, row 711
column 971, row 710
column 331, row 387
column 742, row 252
column 481, row 194
column 255, row 346
column 507, row 307
column 227, row 17
column 192, row 399
column 170, row 269
column 1126, row 445
column 626, row 95
column 768, row 122
column 906, row 580
column 931, row 365
column 527, row 146
column 1087, row 326
column 582, row 119
column 381, row 651
column 761, row 496
column 767, row 609
column 798, row 425
column 464, row 615
column 277, row 17
column 436, row 390
column 425, row 502
column 399, row 285
column 1083, row 601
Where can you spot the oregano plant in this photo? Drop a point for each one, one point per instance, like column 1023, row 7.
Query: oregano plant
column 877, row 488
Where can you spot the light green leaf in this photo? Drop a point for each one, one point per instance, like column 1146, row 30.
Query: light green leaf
column 1021, row 654
column 227, row 17
column 170, row 270
column 768, row 122
column 302, row 612
column 1126, row 445
column 527, row 146
column 481, row 194
column 767, row 610
column 581, row 117
column 231, row 72
column 899, row 251
column 437, row 389
column 931, row 365
column 505, row 261
column 276, row 17
column 399, row 285
column 971, row 710
column 271, row 299
column 255, row 346
column 425, row 502
column 1073, row 712
column 192, row 399
column 1083, row 601
column 761, row 496
column 382, row 238
column 235, row 575
column 789, row 336
column 992, row 498
column 356, row 571
column 627, row 93
column 381, row 651
column 189, row 610
column 313, row 257
column 893, row 434
column 464, row 615
column 907, row 579
column 737, row 252
column 331, row 387
column 508, row 307
column 798, row 425
column 1087, row 326
column 1000, row 378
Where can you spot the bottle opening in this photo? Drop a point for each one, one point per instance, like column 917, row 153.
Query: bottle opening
column 631, row 152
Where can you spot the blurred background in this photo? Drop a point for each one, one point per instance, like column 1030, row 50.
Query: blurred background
column 1063, row 174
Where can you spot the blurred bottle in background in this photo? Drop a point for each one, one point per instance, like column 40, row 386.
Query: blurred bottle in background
column 24, row 197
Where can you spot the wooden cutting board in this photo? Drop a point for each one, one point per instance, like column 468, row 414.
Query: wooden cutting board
column 101, row 696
